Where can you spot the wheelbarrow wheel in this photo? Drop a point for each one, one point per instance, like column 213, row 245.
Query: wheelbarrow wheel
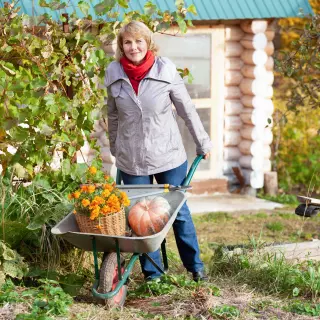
column 109, row 280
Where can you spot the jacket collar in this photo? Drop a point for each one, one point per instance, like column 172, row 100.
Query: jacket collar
column 161, row 71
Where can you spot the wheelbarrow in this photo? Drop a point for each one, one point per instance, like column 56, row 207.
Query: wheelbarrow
column 308, row 207
column 111, row 279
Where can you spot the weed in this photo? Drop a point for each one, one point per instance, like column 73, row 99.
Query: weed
column 45, row 301
column 283, row 198
column 213, row 217
column 275, row 226
column 304, row 308
column 225, row 312
column 166, row 285
column 267, row 272
column 261, row 215
column 11, row 263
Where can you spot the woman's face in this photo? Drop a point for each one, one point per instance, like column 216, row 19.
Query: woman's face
column 135, row 49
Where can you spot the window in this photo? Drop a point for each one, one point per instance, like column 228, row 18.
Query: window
column 192, row 51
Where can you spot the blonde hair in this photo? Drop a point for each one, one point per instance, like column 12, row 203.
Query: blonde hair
column 136, row 29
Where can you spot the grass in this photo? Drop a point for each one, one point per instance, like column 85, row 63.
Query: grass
column 245, row 285
column 288, row 199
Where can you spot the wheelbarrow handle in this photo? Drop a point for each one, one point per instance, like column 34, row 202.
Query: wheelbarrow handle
column 192, row 170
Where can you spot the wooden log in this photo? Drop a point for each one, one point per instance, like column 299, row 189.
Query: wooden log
column 250, row 132
column 233, row 49
column 233, row 107
column 231, row 153
column 269, row 78
column 232, row 92
column 256, row 88
column 255, row 26
column 254, row 41
column 233, row 33
column 232, row 123
column 251, row 148
column 233, row 78
column 269, row 63
column 267, row 136
column 258, row 102
column 252, row 163
column 271, row 183
column 253, row 178
column 266, row 151
column 254, row 133
column 267, row 165
column 252, row 71
column 269, row 49
column 255, row 57
column 231, row 138
column 253, row 116
column 270, row 34
column 228, row 165
column 233, row 63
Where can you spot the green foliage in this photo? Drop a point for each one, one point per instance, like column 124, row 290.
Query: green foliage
column 267, row 272
column 11, row 263
column 296, row 130
column 214, row 217
column 50, row 82
column 304, row 308
column 225, row 312
column 45, row 301
column 296, row 147
column 275, row 226
column 167, row 284
column 301, row 63
column 281, row 198
column 29, row 212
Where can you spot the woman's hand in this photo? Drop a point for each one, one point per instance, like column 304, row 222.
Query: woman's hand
column 206, row 156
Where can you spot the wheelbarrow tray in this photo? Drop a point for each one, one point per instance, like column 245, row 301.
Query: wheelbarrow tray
column 68, row 228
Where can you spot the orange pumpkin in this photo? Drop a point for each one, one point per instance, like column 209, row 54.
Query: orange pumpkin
column 149, row 216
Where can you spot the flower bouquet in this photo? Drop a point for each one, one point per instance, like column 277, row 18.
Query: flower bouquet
column 99, row 206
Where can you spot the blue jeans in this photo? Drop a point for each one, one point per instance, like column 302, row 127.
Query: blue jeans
column 183, row 227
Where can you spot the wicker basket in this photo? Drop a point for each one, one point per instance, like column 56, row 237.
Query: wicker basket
column 112, row 224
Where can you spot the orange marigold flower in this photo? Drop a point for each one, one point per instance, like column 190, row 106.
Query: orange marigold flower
column 91, row 189
column 84, row 188
column 113, row 200
column 70, row 196
column 108, row 187
column 95, row 213
column 74, row 211
column 106, row 177
column 99, row 227
column 105, row 193
column 93, row 170
column 76, row 194
column 85, row 202
column 98, row 200
column 105, row 210
column 126, row 202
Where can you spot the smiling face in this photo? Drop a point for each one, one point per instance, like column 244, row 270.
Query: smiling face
column 134, row 48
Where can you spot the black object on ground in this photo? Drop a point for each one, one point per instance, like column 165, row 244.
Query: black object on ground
column 307, row 210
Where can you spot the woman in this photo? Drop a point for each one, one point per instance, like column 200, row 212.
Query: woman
column 143, row 132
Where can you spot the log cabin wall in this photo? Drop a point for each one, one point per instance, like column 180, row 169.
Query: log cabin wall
column 248, row 104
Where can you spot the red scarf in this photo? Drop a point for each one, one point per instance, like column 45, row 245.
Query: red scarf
column 136, row 73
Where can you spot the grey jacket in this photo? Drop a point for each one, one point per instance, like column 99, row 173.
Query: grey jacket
column 143, row 132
